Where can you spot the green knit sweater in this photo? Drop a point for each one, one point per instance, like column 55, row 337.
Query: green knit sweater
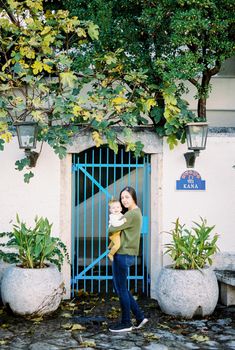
column 130, row 235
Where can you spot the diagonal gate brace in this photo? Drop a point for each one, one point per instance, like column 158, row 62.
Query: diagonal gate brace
column 92, row 264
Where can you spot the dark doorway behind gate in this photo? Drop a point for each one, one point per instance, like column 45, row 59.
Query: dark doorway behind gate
column 98, row 174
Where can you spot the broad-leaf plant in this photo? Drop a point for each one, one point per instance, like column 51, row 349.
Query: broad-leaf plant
column 33, row 247
column 50, row 73
column 192, row 248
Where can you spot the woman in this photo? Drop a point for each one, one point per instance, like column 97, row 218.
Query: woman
column 124, row 258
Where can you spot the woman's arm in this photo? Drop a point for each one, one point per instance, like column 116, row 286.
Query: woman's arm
column 124, row 226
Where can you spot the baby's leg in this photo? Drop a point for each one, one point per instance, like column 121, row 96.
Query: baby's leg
column 116, row 242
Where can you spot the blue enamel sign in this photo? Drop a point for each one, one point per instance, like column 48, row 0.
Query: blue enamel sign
column 191, row 180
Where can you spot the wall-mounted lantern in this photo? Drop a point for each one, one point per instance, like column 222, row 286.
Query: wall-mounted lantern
column 27, row 138
column 196, row 134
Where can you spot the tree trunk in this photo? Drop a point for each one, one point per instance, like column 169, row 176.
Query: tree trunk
column 203, row 95
column 201, row 108
column 204, row 90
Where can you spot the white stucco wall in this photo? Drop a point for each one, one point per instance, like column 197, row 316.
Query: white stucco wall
column 221, row 102
column 216, row 203
column 48, row 194
column 40, row 197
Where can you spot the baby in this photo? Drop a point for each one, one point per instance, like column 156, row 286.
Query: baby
column 115, row 219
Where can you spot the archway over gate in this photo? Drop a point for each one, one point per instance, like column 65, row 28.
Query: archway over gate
column 152, row 146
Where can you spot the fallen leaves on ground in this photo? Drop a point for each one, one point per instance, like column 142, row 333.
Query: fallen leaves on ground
column 114, row 313
column 88, row 344
column 3, row 341
column 4, row 325
column 68, row 306
column 88, row 311
column 114, row 299
column 73, row 327
column 200, row 338
column 36, row 319
column 151, row 336
column 163, row 325
column 77, row 327
column 66, row 315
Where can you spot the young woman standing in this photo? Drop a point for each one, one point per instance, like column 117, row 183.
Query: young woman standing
column 124, row 258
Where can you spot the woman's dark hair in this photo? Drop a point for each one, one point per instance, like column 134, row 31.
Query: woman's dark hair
column 132, row 192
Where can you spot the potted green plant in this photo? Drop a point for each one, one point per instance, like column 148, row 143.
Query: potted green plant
column 33, row 285
column 189, row 286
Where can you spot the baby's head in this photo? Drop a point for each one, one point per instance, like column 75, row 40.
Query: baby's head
column 115, row 207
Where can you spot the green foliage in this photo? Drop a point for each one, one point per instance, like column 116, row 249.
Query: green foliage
column 33, row 247
column 169, row 39
column 192, row 249
column 20, row 164
column 48, row 63
column 128, row 55
column 28, row 176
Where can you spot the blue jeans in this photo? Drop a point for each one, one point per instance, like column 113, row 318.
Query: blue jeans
column 121, row 263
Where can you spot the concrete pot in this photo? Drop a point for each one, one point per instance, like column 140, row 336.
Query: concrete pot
column 32, row 291
column 187, row 293
column 3, row 267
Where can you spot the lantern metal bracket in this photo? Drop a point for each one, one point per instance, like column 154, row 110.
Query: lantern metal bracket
column 32, row 156
column 190, row 158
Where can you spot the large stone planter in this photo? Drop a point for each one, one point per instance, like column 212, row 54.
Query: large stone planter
column 3, row 267
column 187, row 293
column 32, row 291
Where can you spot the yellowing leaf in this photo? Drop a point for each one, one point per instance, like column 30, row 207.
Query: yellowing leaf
column 4, row 325
column 97, row 138
column 171, row 108
column 68, row 79
column 119, row 100
column 34, row 4
column 3, row 342
column 77, row 327
column 150, row 336
column 170, row 111
column 151, row 102
column 47, row 68
column 3, row 113
column 115, row 299
column 27, row 52
column 93, row 31
column 46, row 30
column 130, row 146
column 66, row 315
column 200, row 338
column 13, row 4
column 38, row 116
column 86, row 115
column 77, row 110
column 7, row 64
column 23, row 64
column 37, row 67
column 47, row 40
column 81, row 32
column 88, row 344
column 37, row 102
column 99, row 117
column 7, row 136
column 110, row 59
column 37, row 320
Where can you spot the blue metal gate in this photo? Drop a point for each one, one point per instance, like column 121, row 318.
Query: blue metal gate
column 97, row 176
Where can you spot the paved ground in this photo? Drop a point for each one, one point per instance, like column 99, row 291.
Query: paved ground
column 82, row 323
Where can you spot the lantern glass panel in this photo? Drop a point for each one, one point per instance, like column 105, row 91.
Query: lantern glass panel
column 197, row 136
column 27, row 135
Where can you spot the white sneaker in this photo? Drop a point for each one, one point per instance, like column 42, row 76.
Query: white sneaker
column 140, row 324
